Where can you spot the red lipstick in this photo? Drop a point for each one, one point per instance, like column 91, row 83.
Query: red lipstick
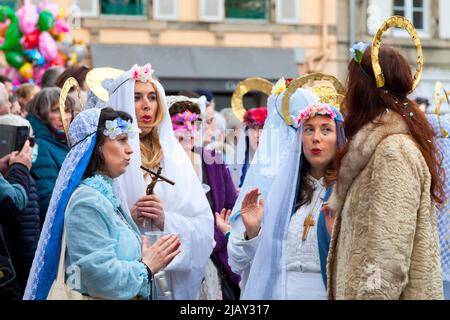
column 316, row 151
column 146, row 119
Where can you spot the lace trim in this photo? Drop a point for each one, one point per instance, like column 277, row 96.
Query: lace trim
column 104, row 185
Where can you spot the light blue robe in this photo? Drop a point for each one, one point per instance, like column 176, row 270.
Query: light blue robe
column 105, row 250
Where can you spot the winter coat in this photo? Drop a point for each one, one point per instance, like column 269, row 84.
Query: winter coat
column 48, row 163
column 384, row 243
column 13, row 199
column 22, row 236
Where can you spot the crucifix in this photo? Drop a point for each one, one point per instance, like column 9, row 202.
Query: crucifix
column 308, row 223
column 156, row 177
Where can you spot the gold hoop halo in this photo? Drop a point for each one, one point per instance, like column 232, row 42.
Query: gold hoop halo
column 244, row 87
column 324, row 93
column 398, row 22
column 438, row 101
column 68, row 84
column 95, row 77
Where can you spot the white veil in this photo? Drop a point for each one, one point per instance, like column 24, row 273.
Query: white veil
column 274, row 145
column 272, row 149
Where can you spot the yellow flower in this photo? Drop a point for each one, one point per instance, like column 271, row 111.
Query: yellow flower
column 279, row 87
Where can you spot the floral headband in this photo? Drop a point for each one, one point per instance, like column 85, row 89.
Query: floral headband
column 281, row 85
column 311, row 111
column 118, row 126
column 186, row 118
column 357, row 50
column 142, row 74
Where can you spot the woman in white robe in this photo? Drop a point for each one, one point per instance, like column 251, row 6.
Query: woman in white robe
column 182, row 208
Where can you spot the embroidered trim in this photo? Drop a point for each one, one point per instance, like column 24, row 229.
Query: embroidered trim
column 104, row 185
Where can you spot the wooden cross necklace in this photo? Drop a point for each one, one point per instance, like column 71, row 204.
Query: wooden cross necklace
column 309, row 220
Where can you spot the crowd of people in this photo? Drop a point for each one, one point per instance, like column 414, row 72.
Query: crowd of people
column 341, row 203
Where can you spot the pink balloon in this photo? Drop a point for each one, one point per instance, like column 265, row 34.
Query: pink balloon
column 52, row 7
column 39, row 72
column 28, row 17
column 11, row 73
column 61, row 26
column 47, row 46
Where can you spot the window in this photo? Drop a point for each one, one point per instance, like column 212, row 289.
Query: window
column 165, row 10
column 414, row 10
column 247, row 9
column 287, row 11
column 124, row 7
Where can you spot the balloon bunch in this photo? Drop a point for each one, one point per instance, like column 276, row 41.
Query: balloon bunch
column 37, row 38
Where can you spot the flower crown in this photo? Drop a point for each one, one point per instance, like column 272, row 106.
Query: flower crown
column 357, row 50
column 281, row 85
column 143, row 73
column 311, row 111
column 118, row 126
column 256, row 117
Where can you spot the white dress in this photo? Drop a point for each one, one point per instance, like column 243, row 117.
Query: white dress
column 303, row 273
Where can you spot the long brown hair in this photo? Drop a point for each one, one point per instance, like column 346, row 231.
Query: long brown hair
column 151, row 150
column 364, row 102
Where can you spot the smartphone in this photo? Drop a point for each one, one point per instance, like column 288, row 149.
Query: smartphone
column 12, row 138
column 32, row 141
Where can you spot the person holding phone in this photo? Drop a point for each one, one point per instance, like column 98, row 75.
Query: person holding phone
column 22, row 235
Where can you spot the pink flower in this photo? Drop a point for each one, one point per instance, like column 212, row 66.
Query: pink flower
column 143, row 73
column 314, row 110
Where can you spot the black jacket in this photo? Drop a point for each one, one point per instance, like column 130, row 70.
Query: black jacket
column 22, row 237
column 9, row 215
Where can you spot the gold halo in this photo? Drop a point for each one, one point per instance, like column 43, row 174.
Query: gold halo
column 398, row 22
column 438, row 101
column 95, row 77
column 244, row 87
column 68, row 84
column 324, row 94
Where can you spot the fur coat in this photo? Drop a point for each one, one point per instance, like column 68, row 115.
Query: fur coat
column 384, row 243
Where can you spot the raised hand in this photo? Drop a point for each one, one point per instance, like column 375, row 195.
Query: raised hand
column 223, row 220
column 252, row 212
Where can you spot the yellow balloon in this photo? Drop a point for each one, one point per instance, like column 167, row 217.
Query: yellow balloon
column 26, row 70
column 73, row 58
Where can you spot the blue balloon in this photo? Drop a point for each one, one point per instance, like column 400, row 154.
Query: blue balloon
column 41, row 60
column 35, row 56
